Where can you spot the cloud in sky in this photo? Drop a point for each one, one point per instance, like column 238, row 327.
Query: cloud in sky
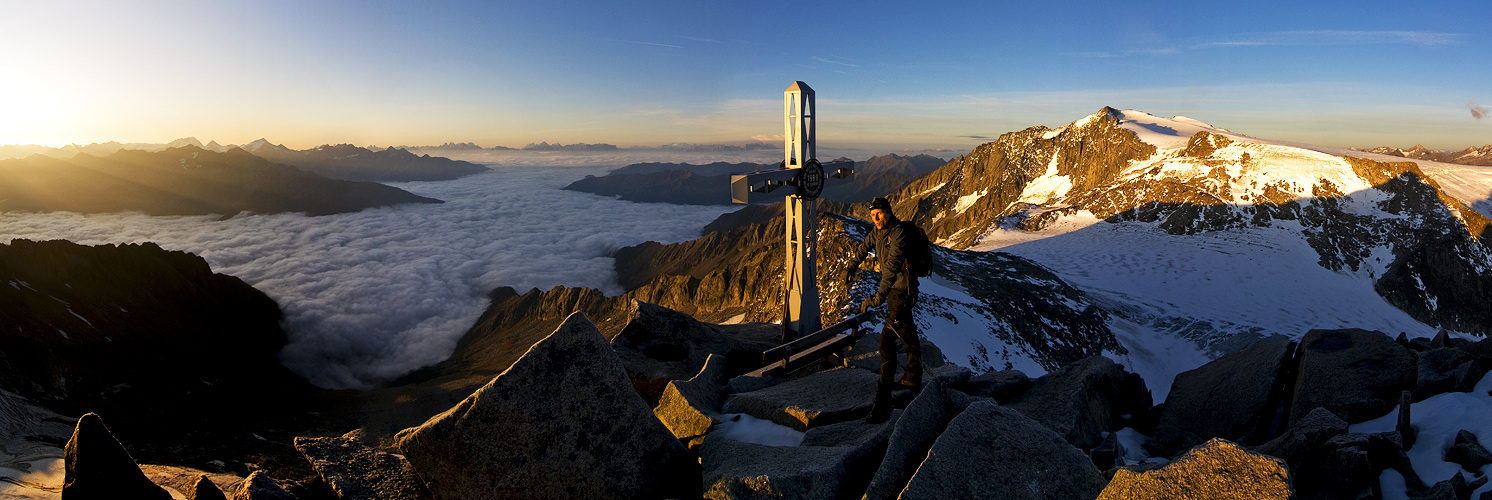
column 1340, row 37
column 1298, row 38
column 371, row 295
column 654, row 44
column 823, row 60
column 1477, row 111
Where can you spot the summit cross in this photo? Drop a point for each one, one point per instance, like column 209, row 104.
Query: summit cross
column 803, row 171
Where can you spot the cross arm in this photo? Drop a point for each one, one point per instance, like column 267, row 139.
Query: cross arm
column 766, row 181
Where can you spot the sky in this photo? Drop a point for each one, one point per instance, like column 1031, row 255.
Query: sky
column 889, row 76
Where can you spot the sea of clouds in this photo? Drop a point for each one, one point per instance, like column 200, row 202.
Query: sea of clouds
column 372, row 295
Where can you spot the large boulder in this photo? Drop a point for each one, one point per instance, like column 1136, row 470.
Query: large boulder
column 561, row 422
column 97, row 466
column 915, row 431
column 1218, row 469
column 1355, row 374
column 832, row 462
column 989, row 448
column 1233, row 397
column 1083, row 400
column 356, row 471
column 689, row 408
column 818, row 399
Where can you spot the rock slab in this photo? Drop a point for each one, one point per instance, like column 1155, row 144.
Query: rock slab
column 562, row 422
column 818, row 399
column 989, row 448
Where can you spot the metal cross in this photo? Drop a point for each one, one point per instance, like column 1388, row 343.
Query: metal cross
column 801, row 170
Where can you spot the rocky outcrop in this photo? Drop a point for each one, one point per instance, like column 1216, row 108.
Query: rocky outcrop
column 1083, row 400
column 356, row 471
column 561, row 422
column 988, row 448
column 183, row 181
column 1198, row 408
column 98, row 467
column 1216, row 469
column 1355, row 374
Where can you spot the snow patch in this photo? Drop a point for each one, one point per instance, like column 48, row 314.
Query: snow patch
column 748, row 429
column 966, row 201
column 1437, row 419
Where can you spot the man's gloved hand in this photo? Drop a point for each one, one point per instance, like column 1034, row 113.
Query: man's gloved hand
column 850, row 274
column 869, row 303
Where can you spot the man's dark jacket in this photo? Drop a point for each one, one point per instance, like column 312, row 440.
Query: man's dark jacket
column 892, row 246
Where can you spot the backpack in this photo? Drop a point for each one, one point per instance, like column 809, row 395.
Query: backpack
column 919, row 251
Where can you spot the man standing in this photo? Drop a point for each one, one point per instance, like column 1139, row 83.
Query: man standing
column 892, row 242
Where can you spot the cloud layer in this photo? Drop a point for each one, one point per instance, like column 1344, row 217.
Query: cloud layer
column 372, row 295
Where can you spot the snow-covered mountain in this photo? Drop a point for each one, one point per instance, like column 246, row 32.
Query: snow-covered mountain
column 1198, row 241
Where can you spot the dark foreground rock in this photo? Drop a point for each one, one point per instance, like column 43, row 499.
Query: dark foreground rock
column 97, row 466
column 988, row 448
column 1217, row 469
column 561, row 422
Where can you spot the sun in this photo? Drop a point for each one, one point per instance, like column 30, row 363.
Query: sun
column 32, row 114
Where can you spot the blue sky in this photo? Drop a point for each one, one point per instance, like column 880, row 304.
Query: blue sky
column 890, row 76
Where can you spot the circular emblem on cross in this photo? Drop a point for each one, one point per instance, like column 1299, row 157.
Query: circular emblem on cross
column 811, row 179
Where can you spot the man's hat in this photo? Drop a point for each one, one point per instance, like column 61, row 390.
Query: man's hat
column 880, row 204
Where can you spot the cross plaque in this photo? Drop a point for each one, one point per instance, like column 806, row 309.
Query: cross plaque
column 804, row 172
